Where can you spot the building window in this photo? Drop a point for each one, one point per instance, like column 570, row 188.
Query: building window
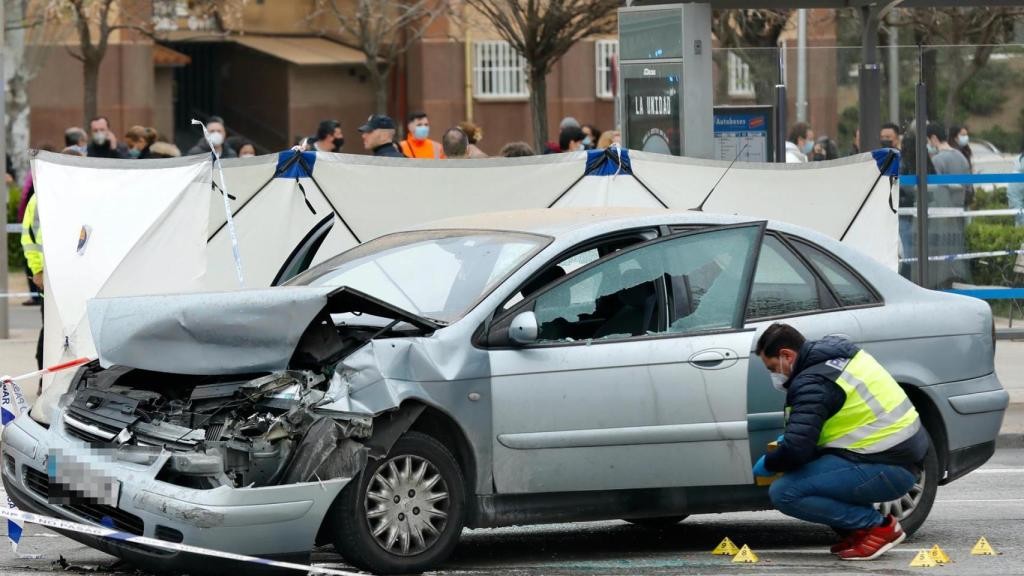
column 498, row 71
column 740, row 83
column 606, row 53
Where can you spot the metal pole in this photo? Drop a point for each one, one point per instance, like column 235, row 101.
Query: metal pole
column 780, row 123
column 870, row 82
column 4, row 302
column 894, row 75
column 922, row 173
column 801, row 66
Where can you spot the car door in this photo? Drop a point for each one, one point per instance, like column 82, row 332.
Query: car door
column 638, row 376
column 787, row 288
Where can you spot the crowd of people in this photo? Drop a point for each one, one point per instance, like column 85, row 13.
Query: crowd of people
column 380, row 136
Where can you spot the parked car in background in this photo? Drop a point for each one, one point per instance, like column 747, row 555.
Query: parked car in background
column 502, row 369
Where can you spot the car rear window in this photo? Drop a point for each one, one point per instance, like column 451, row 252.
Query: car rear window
column 851, row 290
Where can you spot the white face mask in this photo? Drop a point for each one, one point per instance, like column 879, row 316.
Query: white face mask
column 216, row 138
column 778, row 381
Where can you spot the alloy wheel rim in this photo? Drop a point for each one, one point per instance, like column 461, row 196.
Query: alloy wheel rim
column 905, row 505
column 406, row 505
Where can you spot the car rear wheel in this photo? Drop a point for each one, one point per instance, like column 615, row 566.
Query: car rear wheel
column 658, row 522
column 913, row 507
column 403, row 513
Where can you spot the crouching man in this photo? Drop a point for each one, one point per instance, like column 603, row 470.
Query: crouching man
column 852, row 438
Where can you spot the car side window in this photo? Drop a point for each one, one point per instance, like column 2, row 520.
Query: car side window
column 678, row 285
column 850, row 289
column 783, row 285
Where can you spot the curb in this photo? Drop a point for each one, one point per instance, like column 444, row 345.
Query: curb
column 1009, row 441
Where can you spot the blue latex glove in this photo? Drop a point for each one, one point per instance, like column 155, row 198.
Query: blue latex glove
column 760, row 470
column 779, row 439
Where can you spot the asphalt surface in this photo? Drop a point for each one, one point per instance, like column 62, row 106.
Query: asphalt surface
column 988, row 502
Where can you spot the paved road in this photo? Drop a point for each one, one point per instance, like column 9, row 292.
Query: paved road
column 989, row 502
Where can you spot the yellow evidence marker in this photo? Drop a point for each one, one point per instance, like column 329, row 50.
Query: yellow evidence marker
column 725, row 548
column 939, row 555
column 983, row 548
column 745, row 556
column 924, row 559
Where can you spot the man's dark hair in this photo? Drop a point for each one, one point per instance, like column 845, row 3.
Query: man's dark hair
column 415, row 116
column 326, row 128
column 891, row 126
column 936, row 129
column 799, row 130
column 516, row 150
column 216, row 119
column 72, row 136
column 569, row 134
column 777, row 337
column 454, row 142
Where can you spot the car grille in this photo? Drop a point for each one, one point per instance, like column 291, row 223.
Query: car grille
column 109, row 516
column 90, row 437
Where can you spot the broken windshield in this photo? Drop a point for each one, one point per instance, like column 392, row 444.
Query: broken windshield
column 437, row 274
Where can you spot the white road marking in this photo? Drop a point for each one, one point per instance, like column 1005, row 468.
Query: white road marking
column 984, row 501
column 999, row 471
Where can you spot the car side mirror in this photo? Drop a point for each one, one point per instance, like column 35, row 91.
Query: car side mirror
column 524, row 329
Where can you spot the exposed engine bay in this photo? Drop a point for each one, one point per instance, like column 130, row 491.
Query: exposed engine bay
column 237, row 431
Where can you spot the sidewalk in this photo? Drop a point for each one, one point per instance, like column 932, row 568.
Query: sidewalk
column 17, row 356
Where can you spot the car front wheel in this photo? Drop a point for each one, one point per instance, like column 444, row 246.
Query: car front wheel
column 403, row 513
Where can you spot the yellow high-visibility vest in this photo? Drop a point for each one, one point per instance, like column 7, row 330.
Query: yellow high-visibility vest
column 877, row 414
column 32, row 236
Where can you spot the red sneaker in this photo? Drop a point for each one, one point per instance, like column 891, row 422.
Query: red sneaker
column 845, row 542
column 876, row 541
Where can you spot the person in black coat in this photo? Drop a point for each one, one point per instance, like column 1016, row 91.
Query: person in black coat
column 379, row 136
column 823, row 482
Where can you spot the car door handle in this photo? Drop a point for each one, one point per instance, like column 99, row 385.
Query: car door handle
column 712, row 359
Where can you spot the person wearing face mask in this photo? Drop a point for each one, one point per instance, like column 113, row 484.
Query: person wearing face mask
column 245, row 149
column 76, row 139
column 416, row 143
column 218, row 133
column 889, row 136
column 139, row 139
column 800, row 143
column 103, row 142
column 590, row 136
column 329, row 137
column 852, row 438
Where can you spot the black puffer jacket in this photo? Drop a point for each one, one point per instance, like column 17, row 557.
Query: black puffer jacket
column 813, row 397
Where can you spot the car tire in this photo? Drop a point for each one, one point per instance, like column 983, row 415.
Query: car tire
column 658, row 522
column 380, row 522
column 913, row 508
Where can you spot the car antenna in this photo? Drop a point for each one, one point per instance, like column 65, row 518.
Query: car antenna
column 720, row 178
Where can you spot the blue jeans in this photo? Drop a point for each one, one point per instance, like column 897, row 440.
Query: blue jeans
column 838, row 492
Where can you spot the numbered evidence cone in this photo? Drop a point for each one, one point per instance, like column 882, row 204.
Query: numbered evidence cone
column 745, row 556
column 939, row 555
column 725, row 548
column 924, row 559
column 983, row 548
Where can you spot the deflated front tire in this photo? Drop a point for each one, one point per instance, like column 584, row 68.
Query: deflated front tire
column 403, row 513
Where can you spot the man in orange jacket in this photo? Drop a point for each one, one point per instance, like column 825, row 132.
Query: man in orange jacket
column 416, row 143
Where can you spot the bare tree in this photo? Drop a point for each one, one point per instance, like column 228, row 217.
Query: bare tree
column 96, row 20
column 29, row 35
column 383, row 30
column 542, row 32
column 757, row 28
column 982, row 27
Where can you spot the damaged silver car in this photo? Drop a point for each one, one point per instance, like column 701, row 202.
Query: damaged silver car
column 516, row 368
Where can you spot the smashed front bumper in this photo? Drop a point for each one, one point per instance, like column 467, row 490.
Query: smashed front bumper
column 278, row 522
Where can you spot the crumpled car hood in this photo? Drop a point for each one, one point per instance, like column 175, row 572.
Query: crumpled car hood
column 205, row 333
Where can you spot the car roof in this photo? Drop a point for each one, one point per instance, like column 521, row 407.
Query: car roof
column 560, row 221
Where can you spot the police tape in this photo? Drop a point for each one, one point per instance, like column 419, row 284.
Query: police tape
column 967, row 256
column 21, row 295
column 111, row 534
